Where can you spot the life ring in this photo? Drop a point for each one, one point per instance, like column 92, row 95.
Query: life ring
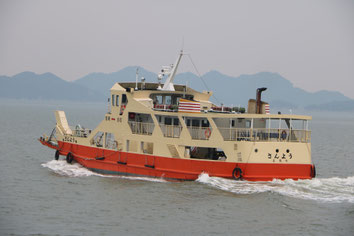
column 237, row 174
column 207, row 132
column 69, row 158
column 56, row 156
column 283, row 135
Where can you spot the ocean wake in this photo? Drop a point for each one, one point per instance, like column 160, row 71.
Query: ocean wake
column 61, row 167
column 334, row 189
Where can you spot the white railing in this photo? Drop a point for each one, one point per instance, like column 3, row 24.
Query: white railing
column 111, row 144
column 233, row 134
column 80, row 132
column 163, row 107
column 200, row 133
column 270, row 135
column 171, row 131
column 141, row 127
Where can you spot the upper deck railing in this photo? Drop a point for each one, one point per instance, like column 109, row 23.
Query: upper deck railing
column 79, row 131
column 200, row 133
column 141, row 127
column 266, row 135
column 164, row 107
column 171, row 131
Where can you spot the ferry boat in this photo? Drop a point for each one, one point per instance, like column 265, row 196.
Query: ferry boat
column 174, row 132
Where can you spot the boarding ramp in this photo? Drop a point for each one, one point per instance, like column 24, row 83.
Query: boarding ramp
column 62, row 123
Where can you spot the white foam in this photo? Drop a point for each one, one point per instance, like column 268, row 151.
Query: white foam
column 333, row 189
column 61, row 167
column 319, row 189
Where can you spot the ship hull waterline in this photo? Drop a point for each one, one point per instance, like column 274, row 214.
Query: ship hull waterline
column 113, row 162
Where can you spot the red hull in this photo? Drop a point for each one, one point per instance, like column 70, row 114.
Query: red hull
column 123, row 163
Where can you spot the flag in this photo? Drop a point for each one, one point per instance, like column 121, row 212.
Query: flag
column 185, row 105
column 267, row 110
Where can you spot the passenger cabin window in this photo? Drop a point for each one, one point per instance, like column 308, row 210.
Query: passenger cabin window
column 195, row 123
column 171, row 121
column 205, row 123
column 248, row 124
column 175, row 121
column 168, row 121
column 169, row 126
column 112, row 99
column 110, row 142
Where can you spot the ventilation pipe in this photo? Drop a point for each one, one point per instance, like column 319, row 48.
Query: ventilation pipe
column 258, row 100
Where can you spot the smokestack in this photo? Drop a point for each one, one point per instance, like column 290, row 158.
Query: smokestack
column 258, row 99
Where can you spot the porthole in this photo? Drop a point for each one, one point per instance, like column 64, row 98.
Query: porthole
column 277, row 150
column 256, row 150
column 287, row 150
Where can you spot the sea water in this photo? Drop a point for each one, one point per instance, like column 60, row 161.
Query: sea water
column 41, row 196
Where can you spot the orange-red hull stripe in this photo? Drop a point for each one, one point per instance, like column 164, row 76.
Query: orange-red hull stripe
column 116, row 162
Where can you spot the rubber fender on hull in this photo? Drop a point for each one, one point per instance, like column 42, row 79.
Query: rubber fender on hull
column 237, row 174
column 69, row 158
column 56, row 156
column 313, row 171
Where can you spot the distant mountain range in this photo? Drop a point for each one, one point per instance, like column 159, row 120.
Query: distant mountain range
column 28, row 85
column 229, row 90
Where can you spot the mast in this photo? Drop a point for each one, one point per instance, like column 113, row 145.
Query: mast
column 136, row 78
column 168, row 86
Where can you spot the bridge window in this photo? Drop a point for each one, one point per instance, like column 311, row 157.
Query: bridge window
column 168, row 100
column 124, row 99
column 158, row 99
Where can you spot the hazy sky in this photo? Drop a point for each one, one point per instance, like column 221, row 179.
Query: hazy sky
column 311, row 43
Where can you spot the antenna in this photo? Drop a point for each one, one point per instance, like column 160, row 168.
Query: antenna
column 142, row 83
column 182, row 43
column 200, row 76
column 136, row 78
column 159, row 78
column 185, row 90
